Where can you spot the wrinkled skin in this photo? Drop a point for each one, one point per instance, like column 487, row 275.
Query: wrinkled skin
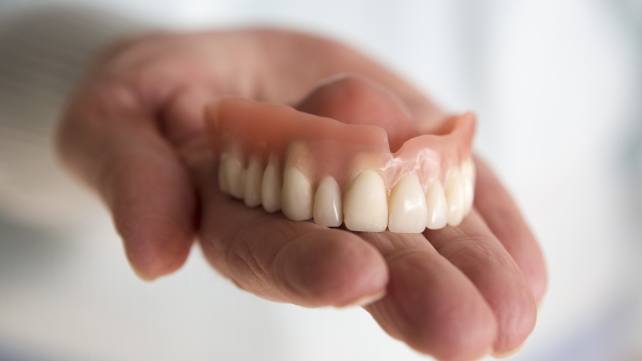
column 134, row 132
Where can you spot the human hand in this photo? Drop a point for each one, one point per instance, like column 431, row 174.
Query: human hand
column 134, row 131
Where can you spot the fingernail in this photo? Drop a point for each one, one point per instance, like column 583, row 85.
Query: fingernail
column 366, row 300
column 144, row 276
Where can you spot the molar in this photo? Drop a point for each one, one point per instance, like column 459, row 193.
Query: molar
column 365, row 205
column 327, row 203
column 222, row 173
column 437, row 206
column 407, row 206
column 271, row 186
column 237, row 188
column 253, row 182
column 455, row 197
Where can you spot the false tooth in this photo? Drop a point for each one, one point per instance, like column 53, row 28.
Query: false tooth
column 437, row 206
column 454, row 197
column 327, row 203
column 365, row 205
column 271, row 186
column 232, row 174
column 238, row 187
column 407, row 206
column 296, row 196
column 468, row 178
column 222, row 173
column 253, row 180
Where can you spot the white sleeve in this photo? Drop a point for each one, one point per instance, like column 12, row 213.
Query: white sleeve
column 43, row 51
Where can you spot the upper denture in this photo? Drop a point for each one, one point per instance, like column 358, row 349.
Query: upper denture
column 278, row 156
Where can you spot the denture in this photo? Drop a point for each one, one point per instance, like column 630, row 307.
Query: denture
column 367, row 177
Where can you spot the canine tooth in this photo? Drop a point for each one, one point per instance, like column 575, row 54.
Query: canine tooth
column 271, row 186
column 296, row 196
column 407, row 206
column 365, row 205
column 437, row 206
column 455, row 197
column 468, row 179
column 253, row 180
column 222, row 173
column 327, row 203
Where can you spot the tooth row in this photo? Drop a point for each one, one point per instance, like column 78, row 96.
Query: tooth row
column 366, row 205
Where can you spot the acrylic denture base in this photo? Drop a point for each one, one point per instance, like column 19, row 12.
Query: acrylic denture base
column 333, row 173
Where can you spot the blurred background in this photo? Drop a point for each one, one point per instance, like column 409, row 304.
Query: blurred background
column 557, row 86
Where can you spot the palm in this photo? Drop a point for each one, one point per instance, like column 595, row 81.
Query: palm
column 453, row 293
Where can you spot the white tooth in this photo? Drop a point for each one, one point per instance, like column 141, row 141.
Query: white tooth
column 407, row 206
column 222, row 173
column 327, row 203
column 437, row 206
column 365, row 205
column 468, row 168
column 296, row 196
column 233, row 174
column 253, row 180
column 271, row 186
column 468, row 179
column 238, row 187
column 455, row 197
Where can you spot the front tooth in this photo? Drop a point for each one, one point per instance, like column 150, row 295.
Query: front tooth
column 253, row 180
column 365, row 206
column 455, row 197
column 468, row 179
column 437, row 207
column 327, row 203
column 408, row 213
column 271, row 186
column 296, row 196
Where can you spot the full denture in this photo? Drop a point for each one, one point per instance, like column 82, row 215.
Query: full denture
column 334, row 173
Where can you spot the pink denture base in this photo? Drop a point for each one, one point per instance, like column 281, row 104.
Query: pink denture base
column 321, row 146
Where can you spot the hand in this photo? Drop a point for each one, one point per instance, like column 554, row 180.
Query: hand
column 134, row 131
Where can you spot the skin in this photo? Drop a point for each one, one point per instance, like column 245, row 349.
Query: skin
column 134, row 131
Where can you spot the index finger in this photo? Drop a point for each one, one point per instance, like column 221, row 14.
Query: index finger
column 282, row 260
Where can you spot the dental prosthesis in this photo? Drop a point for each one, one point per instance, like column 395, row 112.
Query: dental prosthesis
column 318, row 168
